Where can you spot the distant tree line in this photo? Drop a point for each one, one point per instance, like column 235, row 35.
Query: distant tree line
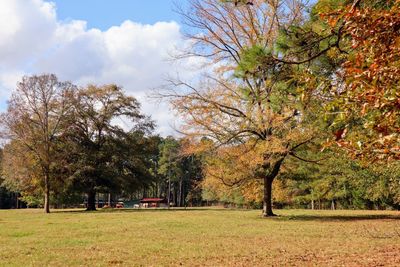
column 63, row 141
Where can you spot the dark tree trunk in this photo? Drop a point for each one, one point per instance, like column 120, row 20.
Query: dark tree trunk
column 91, row 203
column 267, row 203
column 183, row 202
column 180, row 194
column 268, row 180
column 17, row 200
column 46, row 194
column 174, row 194
column 144, row 192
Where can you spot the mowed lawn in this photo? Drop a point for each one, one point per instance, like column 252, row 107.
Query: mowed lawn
column 199, row 237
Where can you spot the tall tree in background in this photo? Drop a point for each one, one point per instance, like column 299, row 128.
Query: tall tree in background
column 100, row 149
column 170, row 168
column 34, row 119
column 133, row 157
column 249, row 104
column 179, row 171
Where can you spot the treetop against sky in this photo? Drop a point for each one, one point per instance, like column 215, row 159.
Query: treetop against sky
column 96, row 41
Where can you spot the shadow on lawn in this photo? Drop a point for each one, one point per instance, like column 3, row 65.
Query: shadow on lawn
column 128, row 210
column 337, row 218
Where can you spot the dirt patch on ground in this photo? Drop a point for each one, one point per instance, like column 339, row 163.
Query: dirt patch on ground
column 385, row 256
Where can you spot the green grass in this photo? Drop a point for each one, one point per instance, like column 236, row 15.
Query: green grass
column 199, row 237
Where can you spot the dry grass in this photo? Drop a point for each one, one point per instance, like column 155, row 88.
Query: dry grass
column 199, row 237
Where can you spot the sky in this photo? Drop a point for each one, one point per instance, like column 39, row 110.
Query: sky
column 103, row 14
column 127, row 42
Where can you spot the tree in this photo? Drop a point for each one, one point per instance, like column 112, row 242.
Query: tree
column 100, row 151
column 6, row 197
column 20, row 172
column 249, row 102
column 231, row 176
column 134, row 156
column 35, row 118
column 169, row 167
column 371, row 78
column 360, row 40
column 179, row 170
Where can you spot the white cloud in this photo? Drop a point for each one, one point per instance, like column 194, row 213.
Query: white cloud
column 132, row 55
column 26, row 28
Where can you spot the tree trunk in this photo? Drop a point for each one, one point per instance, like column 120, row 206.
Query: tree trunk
column 180, row 193
column 144, row 192
column 17, row 200
column 183, row 195
column 46, row 194
column 169, row 193
column 91, row 203
column 267, row 203
column 174, row 194
column 268, row 179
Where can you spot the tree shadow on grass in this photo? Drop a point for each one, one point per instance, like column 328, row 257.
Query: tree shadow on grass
column 338, row 218
column 129, row 210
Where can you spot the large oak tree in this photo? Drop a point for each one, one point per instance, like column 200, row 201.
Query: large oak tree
column 105, row 137
column 248, row 102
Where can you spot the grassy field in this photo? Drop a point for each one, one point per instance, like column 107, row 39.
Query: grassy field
column 199, row 237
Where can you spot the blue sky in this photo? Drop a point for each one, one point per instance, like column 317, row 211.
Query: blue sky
column 103, row 14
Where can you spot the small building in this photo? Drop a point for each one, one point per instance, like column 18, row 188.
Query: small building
column 153, row 203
